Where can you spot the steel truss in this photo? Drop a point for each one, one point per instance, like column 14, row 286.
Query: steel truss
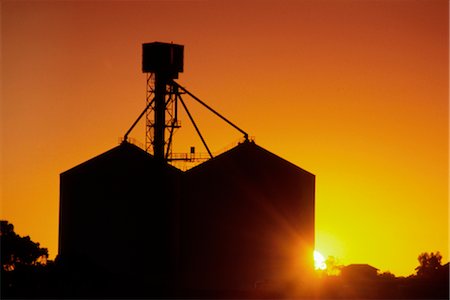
column 172, row 95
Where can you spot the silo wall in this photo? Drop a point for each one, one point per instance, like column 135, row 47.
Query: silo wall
column 247, row 220
column 118, row 217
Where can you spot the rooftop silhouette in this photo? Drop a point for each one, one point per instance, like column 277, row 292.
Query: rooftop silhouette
column 240, row 218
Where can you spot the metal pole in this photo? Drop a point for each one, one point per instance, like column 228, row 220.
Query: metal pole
column 174, row 119
column 160, row 115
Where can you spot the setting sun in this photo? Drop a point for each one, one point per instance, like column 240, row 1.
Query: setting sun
column 319, row 261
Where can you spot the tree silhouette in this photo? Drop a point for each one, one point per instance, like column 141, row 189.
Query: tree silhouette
column 333, row 266
column 430, row 263
column 17, row 251
column 387, row 275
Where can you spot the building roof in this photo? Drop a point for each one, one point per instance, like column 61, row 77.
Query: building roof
column 125, row 151
column 247, row 152
column 360, row 267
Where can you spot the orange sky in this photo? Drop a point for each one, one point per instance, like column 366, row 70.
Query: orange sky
column 355, row 92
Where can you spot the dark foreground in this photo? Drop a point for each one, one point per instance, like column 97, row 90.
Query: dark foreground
column 50, row 282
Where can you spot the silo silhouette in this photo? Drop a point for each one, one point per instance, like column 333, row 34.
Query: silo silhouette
column 241, row 221
column 248, row 218
column 117, row 221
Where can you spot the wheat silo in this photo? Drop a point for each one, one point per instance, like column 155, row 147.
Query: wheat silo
column 238, row 222
column 118, row 217
column 248, row 220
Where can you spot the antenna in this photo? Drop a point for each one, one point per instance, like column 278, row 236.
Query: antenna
column 162, row 62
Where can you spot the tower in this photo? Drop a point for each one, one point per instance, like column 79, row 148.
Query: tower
column 161, row 62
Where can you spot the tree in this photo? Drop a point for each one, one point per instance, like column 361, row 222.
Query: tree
column 333, row 266
column 19, row 251
column 430, row 263
column 387, row 275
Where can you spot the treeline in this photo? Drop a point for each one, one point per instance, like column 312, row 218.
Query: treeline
column 26, row 272
column 431, row 281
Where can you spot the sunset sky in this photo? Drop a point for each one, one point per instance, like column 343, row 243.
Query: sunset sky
column 354, row 91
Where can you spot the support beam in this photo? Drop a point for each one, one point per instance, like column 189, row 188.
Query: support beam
column 212, row 110
column 195, row 126
column 160, row 115
column 125, row 137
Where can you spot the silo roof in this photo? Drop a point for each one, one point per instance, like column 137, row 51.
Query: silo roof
column 247, row 151
column 123, row 151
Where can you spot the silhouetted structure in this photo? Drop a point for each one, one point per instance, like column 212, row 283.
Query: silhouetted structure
column 116, row 216
column 243, row 217
column 248, row 217
column 164, row 61
column 359, row 272
column 145, row 228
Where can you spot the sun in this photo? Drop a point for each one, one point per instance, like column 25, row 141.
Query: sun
column 319, row 261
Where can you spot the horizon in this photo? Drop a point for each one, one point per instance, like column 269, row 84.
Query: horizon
column 355, row 93
column 321, row 267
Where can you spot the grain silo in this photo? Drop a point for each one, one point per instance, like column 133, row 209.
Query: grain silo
column 248, row 220
column 239, row 221
column 117, row 216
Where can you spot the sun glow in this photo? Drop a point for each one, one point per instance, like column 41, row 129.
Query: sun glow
column 319, row 261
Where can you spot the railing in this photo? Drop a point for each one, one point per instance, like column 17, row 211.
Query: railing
column 185, row 161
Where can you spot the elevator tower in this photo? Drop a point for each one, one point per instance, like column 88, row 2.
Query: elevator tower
column 161, row 62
